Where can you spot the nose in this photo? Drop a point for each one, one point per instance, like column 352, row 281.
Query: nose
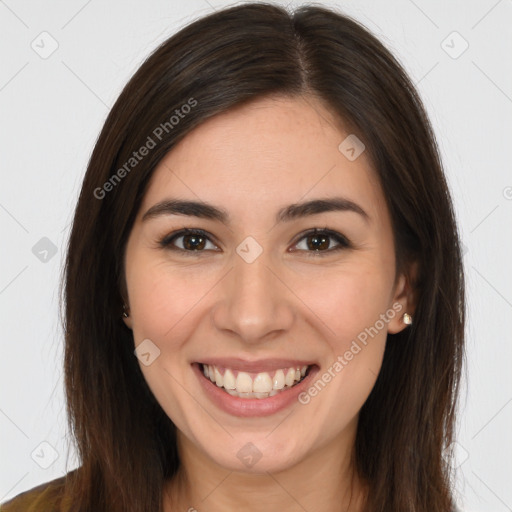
column 254, row 302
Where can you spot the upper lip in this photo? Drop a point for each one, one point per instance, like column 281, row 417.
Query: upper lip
column 256, row 366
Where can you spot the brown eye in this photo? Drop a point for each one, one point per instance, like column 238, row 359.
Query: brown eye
column 188, row 241
column 322, row 241
column 318, row 242
column 193, row 242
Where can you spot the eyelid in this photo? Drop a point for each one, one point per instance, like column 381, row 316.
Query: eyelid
column 343, row 241
column 166, row 241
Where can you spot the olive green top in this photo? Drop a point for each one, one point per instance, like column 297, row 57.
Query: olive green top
column 46, row 497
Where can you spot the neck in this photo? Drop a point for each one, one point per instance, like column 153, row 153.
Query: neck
column 324, row 481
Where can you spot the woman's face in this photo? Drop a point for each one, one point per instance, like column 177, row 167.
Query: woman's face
column 255, row 294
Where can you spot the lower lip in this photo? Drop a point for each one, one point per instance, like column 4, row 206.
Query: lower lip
column 247, row 407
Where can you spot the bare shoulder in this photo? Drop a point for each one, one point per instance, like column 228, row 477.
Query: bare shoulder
column 46, row 497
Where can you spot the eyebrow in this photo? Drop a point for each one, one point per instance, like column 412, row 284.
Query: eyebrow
column 288, row 213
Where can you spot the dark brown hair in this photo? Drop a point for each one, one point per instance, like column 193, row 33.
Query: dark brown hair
column 125, row 442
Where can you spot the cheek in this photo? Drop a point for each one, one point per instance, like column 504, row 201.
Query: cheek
column 162, row 300
column 348, row 301
column 163, row 304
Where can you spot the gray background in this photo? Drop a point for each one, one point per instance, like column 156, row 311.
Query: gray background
column 52, row 109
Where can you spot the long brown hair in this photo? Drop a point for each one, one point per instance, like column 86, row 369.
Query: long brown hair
column 125, row 442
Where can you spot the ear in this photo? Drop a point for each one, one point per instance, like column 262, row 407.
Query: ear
column 128, row 320
column 125, row 315
column 404, row 299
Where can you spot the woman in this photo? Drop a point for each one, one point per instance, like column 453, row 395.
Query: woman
column 263, row 284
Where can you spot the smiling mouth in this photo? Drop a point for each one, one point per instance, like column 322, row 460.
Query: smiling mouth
column 243, row 384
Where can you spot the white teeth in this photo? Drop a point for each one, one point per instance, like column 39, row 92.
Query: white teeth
column 243, row 383
column 290, row 377
column 278, row 380
column 229, row 379
column 219, row 380
column 262, row 383
column 261, row 386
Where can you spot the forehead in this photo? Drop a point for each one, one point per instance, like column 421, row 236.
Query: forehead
column 257, row 157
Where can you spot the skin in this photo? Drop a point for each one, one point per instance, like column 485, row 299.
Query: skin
column 251, row 161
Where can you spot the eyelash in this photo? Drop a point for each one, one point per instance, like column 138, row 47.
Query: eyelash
column 343, row 242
